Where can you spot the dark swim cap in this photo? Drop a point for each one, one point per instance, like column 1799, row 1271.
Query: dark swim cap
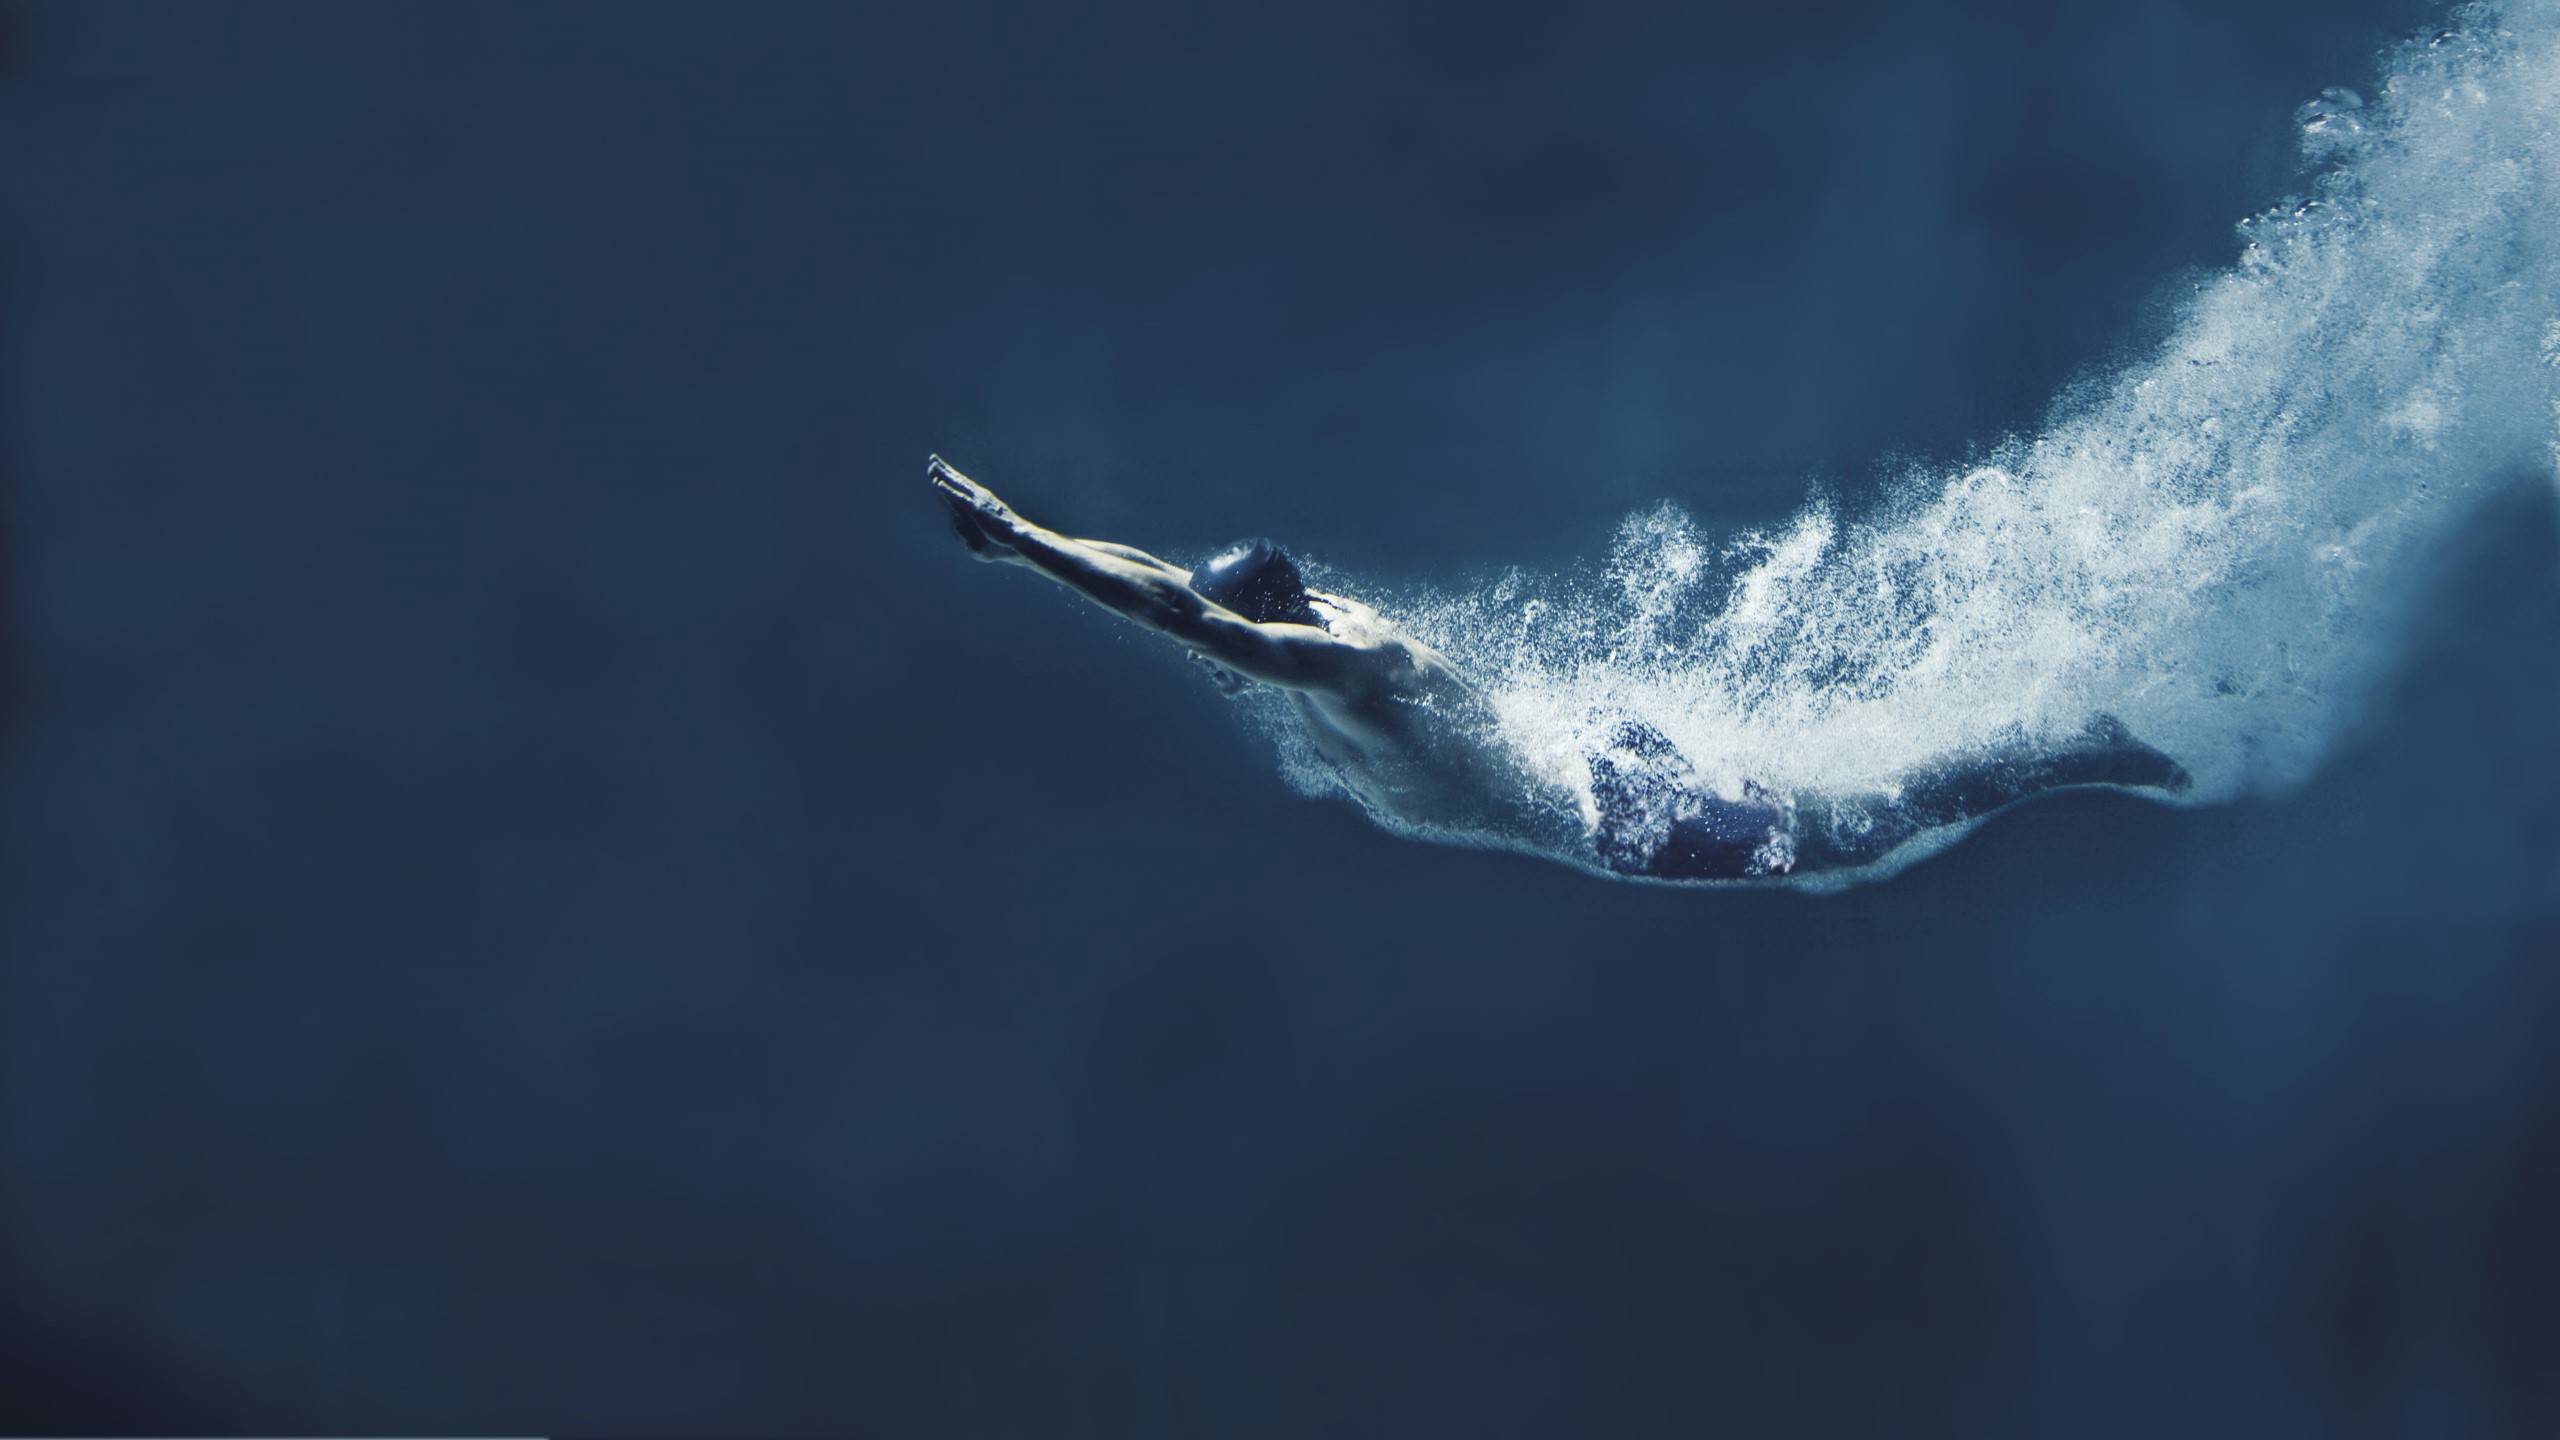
column 1257, row 580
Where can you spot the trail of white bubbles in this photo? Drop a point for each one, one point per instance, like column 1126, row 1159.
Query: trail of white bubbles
column 2215, row 544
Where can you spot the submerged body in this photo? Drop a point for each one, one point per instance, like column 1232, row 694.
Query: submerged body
column 1408, row 736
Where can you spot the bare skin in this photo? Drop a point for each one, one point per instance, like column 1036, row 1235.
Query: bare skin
column 1395, row 719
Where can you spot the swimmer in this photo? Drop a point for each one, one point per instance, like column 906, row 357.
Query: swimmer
column 1418, row 745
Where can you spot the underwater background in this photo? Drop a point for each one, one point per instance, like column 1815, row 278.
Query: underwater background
column 540, row 891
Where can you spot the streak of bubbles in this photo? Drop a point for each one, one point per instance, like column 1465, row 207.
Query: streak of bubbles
column 2217, row 545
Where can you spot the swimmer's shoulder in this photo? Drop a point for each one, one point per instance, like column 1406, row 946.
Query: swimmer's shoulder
column 1357, row 627
column 1394, row 656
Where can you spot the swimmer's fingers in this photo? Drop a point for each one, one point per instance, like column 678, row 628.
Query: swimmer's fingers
column 970, row 525
column 961, row 491
column 984, row 524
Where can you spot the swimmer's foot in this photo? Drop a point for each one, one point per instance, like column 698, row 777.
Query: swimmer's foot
column 2107, row 754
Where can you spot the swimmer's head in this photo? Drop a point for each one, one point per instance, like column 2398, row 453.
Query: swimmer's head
column 1257, row 580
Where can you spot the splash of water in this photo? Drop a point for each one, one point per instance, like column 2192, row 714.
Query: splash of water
column 2217, row 545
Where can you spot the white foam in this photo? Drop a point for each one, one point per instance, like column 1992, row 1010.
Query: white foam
column 2218, row 544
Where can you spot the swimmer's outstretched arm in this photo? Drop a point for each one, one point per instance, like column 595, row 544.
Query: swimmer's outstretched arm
column 1136, row 556
column 973, row 532
column 1154, row 593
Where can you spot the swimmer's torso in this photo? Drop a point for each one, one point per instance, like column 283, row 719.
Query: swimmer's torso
column 1416, row 743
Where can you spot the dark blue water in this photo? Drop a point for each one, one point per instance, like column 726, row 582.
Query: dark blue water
column 540, row 891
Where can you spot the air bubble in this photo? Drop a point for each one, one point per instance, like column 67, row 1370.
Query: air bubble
column 2331, row 123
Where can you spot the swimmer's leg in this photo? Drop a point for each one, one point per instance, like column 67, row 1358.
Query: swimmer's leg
column 1834, row 834
column 2103, row 754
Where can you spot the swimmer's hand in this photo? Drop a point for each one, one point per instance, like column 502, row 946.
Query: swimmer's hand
column 984, row 523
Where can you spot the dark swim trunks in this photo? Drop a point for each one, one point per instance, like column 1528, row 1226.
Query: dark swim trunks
column 1658, row 819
